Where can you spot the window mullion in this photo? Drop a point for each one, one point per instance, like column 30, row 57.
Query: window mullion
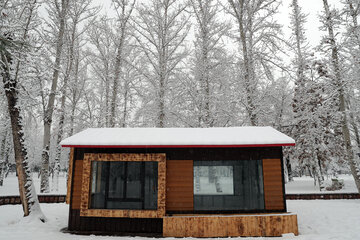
column 125, row 180
column 107, row 184
column 142, row 180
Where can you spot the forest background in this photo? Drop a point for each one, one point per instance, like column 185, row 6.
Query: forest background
column 69, row 65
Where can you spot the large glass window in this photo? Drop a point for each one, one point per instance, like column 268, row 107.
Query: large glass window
column 124, row 185
column 228, row 185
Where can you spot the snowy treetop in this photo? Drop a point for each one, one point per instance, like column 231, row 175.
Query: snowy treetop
column 238, row 136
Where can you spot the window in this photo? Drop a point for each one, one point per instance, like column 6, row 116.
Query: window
column 213, row 180
column 124, row 185
column 228, row 185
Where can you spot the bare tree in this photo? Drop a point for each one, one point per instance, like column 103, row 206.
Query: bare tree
column 259, row 38
column 78, row 13
column 339, row 82
column 209, row 51
column 77, row 86
column 17, row 19
column 124, row 9
column 161, row 30
column 307, row 98
column 101, row 36
column 352, row 12
column 61, row 12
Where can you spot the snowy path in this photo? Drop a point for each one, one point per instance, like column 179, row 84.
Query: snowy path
column 318, row 220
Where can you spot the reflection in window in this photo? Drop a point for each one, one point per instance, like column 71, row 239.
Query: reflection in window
column 124, row 185
column 228, row 185
column 213, row 180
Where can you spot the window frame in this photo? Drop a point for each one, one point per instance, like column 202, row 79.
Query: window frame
column 224, row 163
column 85, row 211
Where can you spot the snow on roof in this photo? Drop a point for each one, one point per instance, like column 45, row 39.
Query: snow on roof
column 178, row 137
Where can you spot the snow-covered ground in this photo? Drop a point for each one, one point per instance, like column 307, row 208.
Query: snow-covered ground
column 306, row 185
column 327, row 219
column 299, row 185
column 10, row 186
column 318, row 220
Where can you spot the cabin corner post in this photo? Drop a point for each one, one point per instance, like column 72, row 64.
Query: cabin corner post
column 283, row 178
column 162, row 185
column 70, row 188
column 85, row 188
column 69, row 176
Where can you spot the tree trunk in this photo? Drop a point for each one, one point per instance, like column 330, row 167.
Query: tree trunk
column 107, row 96
column 118, row 62
column 3, row 157
column 123, row 124
column 124, row 10
column 161, row 101
column 2, row 172
column 75, row 93
column 44, row 187
column 3, row 164
column 162, row 82
column 27, row 192
column 249, row 76
column 341, row 94
column 56, row 170
column 205, row 78
column 289, row 170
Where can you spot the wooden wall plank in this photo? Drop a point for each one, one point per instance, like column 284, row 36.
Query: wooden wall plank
column 230, row 225
column 77, row 184
column 273, row 187
column 180, row 185
column 69, row 176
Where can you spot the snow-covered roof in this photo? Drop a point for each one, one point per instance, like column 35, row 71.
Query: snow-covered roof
column 178, row 137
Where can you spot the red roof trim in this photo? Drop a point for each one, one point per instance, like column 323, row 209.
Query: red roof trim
column 180, row 146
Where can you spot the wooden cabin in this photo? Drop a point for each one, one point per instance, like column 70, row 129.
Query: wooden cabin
column 179, row 182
